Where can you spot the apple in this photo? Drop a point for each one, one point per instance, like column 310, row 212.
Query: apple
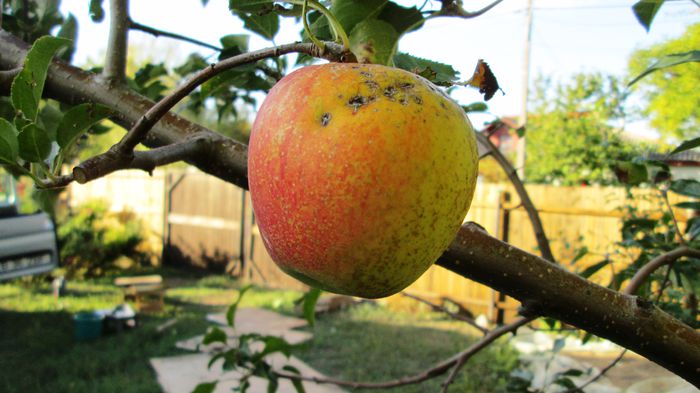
column 360, row 175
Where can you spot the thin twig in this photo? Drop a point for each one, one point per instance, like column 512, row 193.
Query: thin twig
column 122, row 152
column 456, row 316
column 600, row 374
column 161, row 33
column 436, row 370
column 117, row 45
column 453, row 8
column 664, row 194
column 525, row 201
column 483, row 343
column 642, row 274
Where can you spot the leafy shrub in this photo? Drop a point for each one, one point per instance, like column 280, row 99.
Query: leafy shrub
column 94, row 240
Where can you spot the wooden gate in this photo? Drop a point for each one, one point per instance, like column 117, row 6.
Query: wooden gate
column 202, row 222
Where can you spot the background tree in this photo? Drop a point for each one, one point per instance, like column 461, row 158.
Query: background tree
column 574, row 133
column 672, row 98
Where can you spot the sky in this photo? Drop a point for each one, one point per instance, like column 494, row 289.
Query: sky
column 568, row 36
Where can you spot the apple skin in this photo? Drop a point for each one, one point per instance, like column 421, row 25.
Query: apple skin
column 360, row 176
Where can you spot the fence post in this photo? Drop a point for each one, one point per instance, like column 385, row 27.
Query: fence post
column 502, row 232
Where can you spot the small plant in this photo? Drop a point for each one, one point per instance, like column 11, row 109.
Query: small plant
column 94, row 240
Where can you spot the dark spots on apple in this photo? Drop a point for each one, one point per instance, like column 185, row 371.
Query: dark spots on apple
column 366, row 74
column 325, row 119
column 358, row 101
column 390, row 92
column 406, row 86
column 372, row 84
column 418, row 100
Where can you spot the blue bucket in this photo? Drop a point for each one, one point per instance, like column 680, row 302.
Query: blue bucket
column 87, row 325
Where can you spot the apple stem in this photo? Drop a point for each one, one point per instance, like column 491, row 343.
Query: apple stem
column 339, row 33
column 307, row 29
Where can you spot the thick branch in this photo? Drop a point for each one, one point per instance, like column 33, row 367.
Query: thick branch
column 6, row 78
column 112, row 160
column 537, row 228
column 117, row 45
column 550, row 290
column 664, row 259
column 546, row 288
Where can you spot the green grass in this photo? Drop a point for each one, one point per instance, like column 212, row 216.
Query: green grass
column 366, row 343
column 370, row 344
column 39, row 353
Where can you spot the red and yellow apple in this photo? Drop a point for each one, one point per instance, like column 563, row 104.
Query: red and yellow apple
column 360, row 176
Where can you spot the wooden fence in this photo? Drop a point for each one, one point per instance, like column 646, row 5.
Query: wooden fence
column 208, row 223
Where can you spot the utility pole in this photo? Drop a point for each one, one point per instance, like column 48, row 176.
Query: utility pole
column 520, row 151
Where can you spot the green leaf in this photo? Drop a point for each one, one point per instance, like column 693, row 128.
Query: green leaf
column 671, row 60
column 593, row 269
column 97, row 13
column 688, row 205
column 646, row 10
column 686, row 145
column 49, row 119
column 267, row 25
column 233, row 44
column 309, row 305
column 441, row 74
column 29, row 83
column 272, row 385
column 401, row 18
column 350, row 13
column 195, row 62
column 686, row 187
column 34, row 143
column 298, row 385
column 475, row 107
column 215, row 335
column 205, row 387
column 373, row 41
column 69, row 31
column 631, row 173
column 78, row 120
column 275, row 344
column 231, row 312
column 250, row 5
column 9, row 145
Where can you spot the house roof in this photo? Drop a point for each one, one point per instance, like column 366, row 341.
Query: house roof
column 688, row 157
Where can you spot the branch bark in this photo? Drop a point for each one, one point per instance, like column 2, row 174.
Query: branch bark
column 537, row 228
column 161, row 33
column 544, row 288
column 664, row 259
column 117, row 45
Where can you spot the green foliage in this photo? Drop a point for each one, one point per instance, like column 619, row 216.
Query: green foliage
column 571, row 139
column 646, row 10
column 92, row 239
column 672, row 97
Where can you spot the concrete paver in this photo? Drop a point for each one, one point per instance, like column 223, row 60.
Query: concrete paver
column 181, row 374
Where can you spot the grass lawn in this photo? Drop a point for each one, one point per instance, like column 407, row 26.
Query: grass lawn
column 368, row 343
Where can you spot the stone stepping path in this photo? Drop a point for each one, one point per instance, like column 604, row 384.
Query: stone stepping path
column 181, row 374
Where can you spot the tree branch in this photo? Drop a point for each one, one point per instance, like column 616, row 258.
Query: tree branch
column 6, row 78
column 117, row 45
column 549, row 290
column 161, row 33
column 494, row 334
column 112, row 160
column 432, row 372
column 454, row 8
column 525, row 201
column 664, row 259
column 456, row 316
column 543, row 287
